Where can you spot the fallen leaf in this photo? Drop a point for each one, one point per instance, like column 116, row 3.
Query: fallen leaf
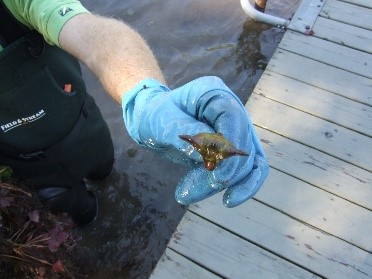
column 5, row 201
column 34, row 216
column 58, row 267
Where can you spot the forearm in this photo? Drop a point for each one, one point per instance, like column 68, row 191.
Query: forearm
column 113, row 51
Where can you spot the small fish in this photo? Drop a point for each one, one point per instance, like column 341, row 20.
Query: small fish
column 213, row 147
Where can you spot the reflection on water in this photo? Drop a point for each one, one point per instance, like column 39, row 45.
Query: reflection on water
column 249, row 55
column 137, row 209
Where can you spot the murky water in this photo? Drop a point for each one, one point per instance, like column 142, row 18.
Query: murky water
column 190, row 38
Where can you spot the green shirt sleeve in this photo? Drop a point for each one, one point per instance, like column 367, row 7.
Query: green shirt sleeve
column 46, row 16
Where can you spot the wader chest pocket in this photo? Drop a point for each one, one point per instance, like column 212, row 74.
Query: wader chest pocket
column 36, row 114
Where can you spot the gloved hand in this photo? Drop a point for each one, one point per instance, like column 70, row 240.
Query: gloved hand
column 155, row 116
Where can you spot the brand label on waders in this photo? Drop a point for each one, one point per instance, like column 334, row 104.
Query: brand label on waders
column 22, row 121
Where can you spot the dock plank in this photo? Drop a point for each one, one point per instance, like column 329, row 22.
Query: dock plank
column 318, row 208
column 339, row 56
column 305, row 16
column 174, row 266
column 227, row 254
column 312, row 131
column 363, row 3
column 318, row 169
column 321, row 75
column 348, row 13
column 316, row 101
column 298, row 242
column 343, row 34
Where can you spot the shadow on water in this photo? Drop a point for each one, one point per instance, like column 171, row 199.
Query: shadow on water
column 132, row 228
column 248, row 51
column 137, row 209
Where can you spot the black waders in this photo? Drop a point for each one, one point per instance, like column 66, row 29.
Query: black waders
column 52, row 139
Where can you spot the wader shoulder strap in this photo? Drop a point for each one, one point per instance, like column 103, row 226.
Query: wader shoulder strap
column 10, row 28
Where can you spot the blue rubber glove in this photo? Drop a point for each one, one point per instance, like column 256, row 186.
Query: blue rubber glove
column 155, row 116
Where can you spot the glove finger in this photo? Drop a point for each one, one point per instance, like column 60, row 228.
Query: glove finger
column 249, row 186
column 195, row 186
column 199, row 184
column 232, row 170
column 257, row 144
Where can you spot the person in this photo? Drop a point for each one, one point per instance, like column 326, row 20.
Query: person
column 53, row 135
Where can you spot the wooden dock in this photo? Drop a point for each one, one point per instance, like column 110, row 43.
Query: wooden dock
column 312, row 109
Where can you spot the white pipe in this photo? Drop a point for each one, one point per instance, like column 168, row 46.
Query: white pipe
column 256, row 15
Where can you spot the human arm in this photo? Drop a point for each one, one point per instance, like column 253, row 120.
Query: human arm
column 112, row 50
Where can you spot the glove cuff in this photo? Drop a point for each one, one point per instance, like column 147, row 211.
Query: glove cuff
column 134, row 103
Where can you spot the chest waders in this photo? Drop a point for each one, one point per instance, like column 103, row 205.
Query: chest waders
column 52, row 139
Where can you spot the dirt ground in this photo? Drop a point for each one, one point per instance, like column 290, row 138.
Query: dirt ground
column 36, row 244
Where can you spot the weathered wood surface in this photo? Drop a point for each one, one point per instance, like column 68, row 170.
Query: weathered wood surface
column 325, row 211
column 228, row 254
column 354, row 15
column 318, row 169
column 284, row 235
column 316, row 101
column 312, row 131
column 363, row 3
column 312, row 109
column 339, row 56
column 305, row 16
column 343, row 34
column 173, row 265
column 322, row 76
